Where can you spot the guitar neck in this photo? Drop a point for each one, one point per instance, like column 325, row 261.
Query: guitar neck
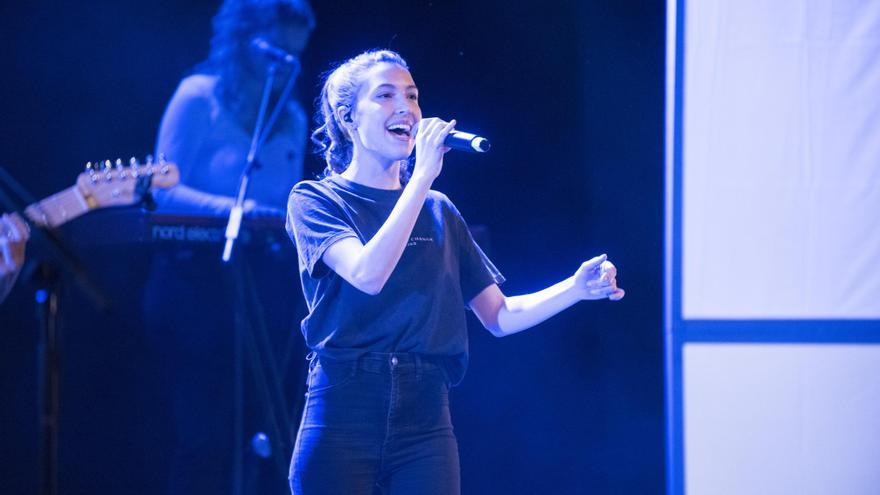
column 59, row 208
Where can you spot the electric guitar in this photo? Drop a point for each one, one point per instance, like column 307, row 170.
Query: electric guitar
column 103, row 185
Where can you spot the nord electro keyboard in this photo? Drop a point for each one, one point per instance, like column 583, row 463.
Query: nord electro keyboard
column 135, row 226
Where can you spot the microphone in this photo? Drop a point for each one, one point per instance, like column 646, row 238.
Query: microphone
column 273, row 52
column 466, row 141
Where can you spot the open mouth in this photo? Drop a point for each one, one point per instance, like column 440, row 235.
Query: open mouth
column 401, row 131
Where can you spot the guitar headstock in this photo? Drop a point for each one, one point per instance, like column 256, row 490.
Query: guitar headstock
column 114, row 184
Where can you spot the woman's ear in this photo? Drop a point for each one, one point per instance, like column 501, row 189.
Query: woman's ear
column 343, row 114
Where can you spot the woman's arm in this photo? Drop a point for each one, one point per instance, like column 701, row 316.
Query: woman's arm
column 369, row 266
column 181, row 133
column 502, row 315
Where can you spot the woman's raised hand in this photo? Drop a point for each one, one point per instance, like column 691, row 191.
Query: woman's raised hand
column 430, row 135
column 597, row 279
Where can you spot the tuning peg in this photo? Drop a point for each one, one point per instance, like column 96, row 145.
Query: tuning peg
column 120, row 170
column 161, row 158
column 91, row 170
column 108, row 170
column 149, row 170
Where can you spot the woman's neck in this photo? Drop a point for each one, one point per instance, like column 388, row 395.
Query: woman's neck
column 372, row 172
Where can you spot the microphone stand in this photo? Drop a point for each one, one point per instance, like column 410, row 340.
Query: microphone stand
column 233, row 226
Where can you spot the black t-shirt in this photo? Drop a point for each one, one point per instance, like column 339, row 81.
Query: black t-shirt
column 421, row 307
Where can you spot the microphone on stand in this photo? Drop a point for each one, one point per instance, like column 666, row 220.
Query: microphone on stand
column 273, row 52
column 233, row 225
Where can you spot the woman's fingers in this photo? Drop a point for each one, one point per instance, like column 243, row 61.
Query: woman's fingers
column 601, row 282
column 430, row 134
column 598, row 277
column 603, row 292
column 444, row 131
column 608, row 269
column 433, row 130
column 593, row 264
column 611, row 292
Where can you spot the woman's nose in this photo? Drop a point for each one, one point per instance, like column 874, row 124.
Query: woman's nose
column 402, row 105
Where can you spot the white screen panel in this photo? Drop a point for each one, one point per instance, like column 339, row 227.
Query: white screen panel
column 782, row 419
column 781, row 160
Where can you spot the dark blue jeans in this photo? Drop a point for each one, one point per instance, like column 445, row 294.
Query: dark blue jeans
column 377, row 425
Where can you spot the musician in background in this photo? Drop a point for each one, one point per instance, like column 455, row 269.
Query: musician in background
column 206, row 130
column 14, row 235
column 208, row 124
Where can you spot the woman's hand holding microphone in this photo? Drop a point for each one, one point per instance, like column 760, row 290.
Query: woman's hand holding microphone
column 430, row 134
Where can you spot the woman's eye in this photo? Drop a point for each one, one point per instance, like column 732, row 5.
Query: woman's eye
column 385, row 95
column 414, row 97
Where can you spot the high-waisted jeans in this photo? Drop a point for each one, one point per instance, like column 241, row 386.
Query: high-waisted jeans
column 377, row 425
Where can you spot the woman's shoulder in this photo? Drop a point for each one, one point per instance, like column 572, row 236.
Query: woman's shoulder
column 312, row 184
column 311, row 197
column 311, row 189
column 188, row 116
column 439, row 199
column 440, row 204
column 197, row 86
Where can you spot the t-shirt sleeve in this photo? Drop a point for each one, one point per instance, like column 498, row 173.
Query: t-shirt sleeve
column 476, row 269
column 314, row 223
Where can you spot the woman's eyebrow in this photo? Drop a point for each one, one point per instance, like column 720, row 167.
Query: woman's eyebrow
column 391, row 86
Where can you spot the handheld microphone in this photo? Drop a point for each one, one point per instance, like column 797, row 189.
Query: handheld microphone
column 466, row 141
column 273, row 52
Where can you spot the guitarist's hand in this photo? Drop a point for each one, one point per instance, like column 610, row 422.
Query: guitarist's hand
column 14, row 234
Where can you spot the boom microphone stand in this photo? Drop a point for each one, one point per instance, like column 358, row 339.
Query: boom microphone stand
column 233, row 227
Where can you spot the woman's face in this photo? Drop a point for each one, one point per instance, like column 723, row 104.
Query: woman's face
column 387, row 108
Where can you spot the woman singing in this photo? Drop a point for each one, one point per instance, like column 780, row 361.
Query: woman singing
column 387, row 267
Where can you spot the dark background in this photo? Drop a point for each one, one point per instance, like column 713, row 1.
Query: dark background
column 571, row 95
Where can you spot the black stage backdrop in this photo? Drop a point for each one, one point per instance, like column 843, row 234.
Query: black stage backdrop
column 571, row 95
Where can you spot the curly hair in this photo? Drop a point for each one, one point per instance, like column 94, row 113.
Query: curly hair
column 340, row 88
column 235, row 25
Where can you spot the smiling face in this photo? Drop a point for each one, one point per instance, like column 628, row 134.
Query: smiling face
column 386, row 110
